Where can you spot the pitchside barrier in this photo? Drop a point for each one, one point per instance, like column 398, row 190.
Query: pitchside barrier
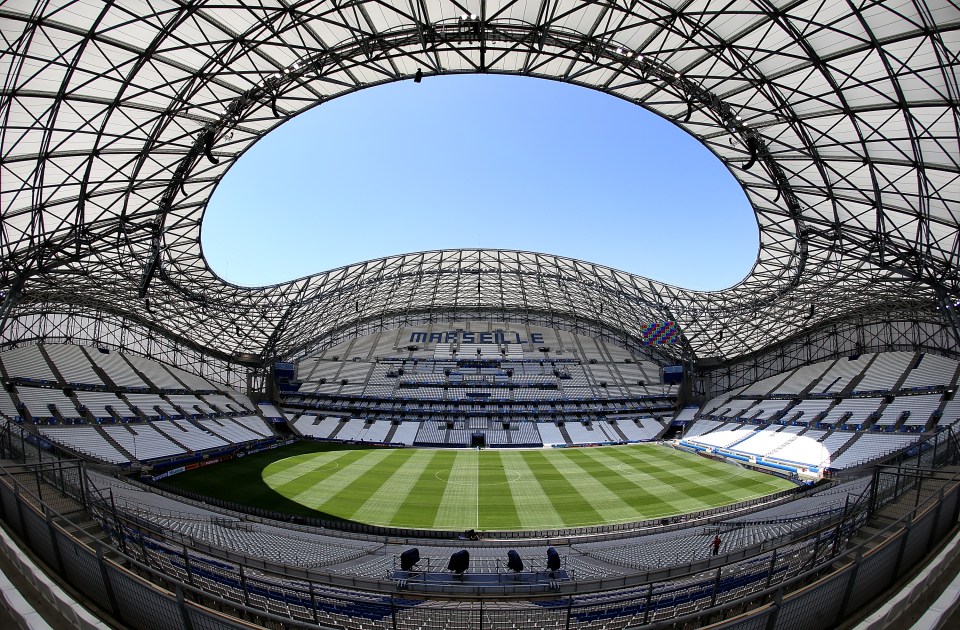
column 146, row 581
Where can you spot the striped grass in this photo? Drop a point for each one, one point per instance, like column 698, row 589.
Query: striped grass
column 458, row 489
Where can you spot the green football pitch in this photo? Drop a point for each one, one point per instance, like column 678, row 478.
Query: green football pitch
column 458, row 489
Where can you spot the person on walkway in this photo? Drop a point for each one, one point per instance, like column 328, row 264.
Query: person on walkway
column 716, row 544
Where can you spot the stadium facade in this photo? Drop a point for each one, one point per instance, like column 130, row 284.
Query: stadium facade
column 839, row 121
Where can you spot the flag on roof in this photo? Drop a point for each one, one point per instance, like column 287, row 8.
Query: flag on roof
column 659, row 334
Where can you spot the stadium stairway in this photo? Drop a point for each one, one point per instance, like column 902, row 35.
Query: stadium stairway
column 616, row 429
column 805, row 429
column 612, row 364
column 137, row 411
column 580, row 351
column 786, row 376
column 88, row 415
column 874, row 417
column 780, row 448
column 823, row 437
column 175, row 377
column 741, row 440
column 194, row 422
column 292, row 425
column 140, row 375
column 711, row 430
column 373, row 347
column 109, row 438
column 53, row 368
column 900, row 422
column 333, row 434
column 823, row 414
column 58, row 415
column 212, row 429
column 906, row 373
column 22, row 409
column 70, row 513
column 171, row 435
column 855, row 381
column 956, row 377
column 837, row 453
column 563, row 432
column 99, row 371
column 185, row 412
column 815, row 382
column 786, row 411
column 54, row 602
column 872, row 533
column 393, row 429
column 952, row 385
column 605, row 353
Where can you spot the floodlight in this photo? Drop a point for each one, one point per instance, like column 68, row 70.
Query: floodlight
column 409, row 558
column 459, row 562
column 553, row 560
column 514, row 563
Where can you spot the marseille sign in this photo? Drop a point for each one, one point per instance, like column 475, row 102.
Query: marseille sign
column 464, row 336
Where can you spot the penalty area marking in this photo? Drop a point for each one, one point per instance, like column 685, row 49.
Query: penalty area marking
column 513, row 475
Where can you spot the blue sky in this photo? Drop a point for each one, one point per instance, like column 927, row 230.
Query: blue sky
column 489, row 161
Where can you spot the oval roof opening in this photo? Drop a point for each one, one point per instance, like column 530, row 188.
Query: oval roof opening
column 485, row 161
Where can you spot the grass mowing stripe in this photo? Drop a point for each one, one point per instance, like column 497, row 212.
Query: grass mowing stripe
column 683, row 491
column 300, row 466
column 349, row 499
column 323, row 490
column 241, row 480
column 420, row 507
column 706, row 490
column 536, row 509
column 665, row 458
column 595, row 483
column 708, row 484
column 460, row 507
column 649, row 503
column 383, row 503
column 572, row 506
column 739, row 484
column 319, row 473
column 498, row 509
column 737, row 479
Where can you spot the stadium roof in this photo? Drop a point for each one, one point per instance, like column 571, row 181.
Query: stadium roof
column 840, row 121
